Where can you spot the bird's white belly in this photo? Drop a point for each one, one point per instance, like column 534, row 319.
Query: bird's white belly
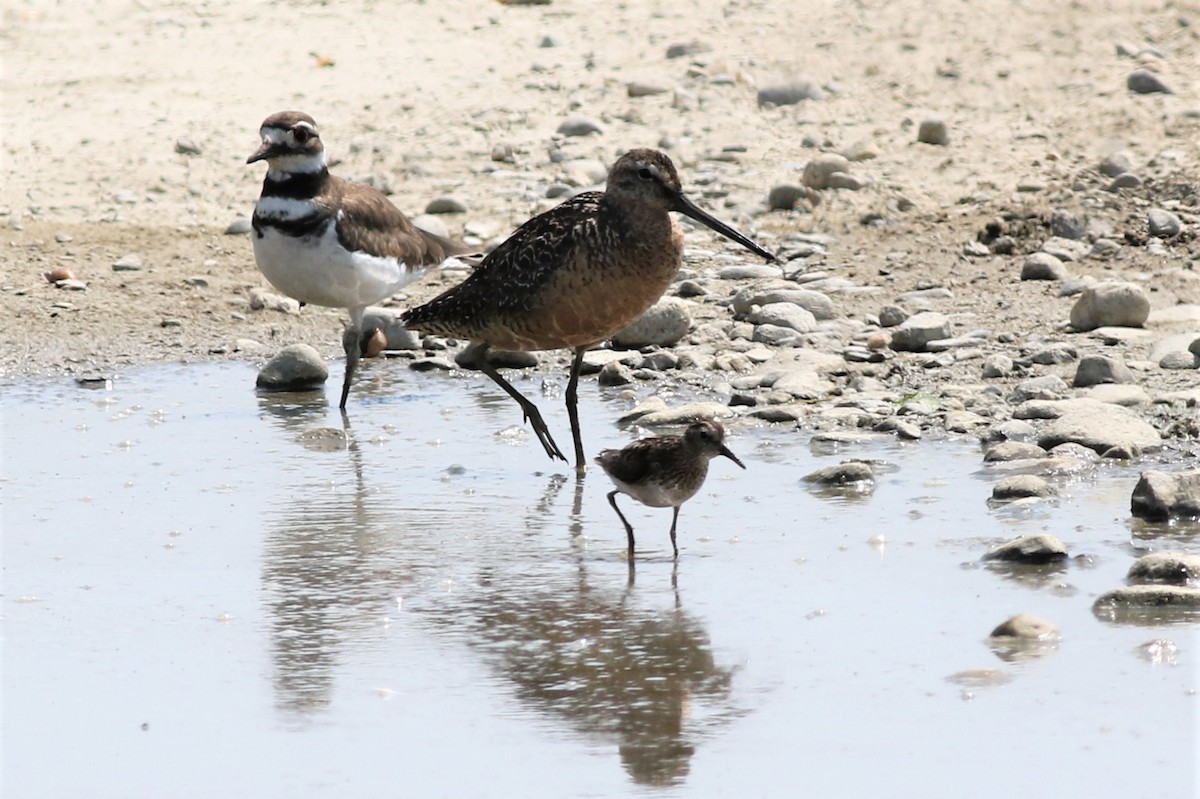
column 651, row 493
column 318, row 270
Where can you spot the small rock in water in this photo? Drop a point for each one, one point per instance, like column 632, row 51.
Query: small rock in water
column 1143, row 81
column 790, row 93
column 1005, row 451
column 663, row 324
column 1111, row 303
column 849, row 472
column 1157, row 603
column 933, row 130
column 1021, row 486
column 1027, row 627
column 1032, row 549
column 297, row 367
column 1172, row 568
column 1096, row 369
column 906, row 431
column 615, row 373
column 579, row 126
column 1159, row 496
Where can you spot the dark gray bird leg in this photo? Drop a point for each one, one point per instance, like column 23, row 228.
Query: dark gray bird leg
column 573, row 409
column 352, row 344
column 612, row 500
column 530, row 411
column 674, row 519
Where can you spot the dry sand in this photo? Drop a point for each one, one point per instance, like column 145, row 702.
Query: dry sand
column 97, row 95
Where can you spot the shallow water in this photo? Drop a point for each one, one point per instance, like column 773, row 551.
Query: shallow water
column 210, row 593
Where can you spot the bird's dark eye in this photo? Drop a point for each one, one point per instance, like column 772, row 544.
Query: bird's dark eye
column 645, row 174
column 301, row 135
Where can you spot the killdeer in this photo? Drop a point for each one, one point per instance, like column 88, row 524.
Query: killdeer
column 328, row 241
column 573, row 276
column 665, row 471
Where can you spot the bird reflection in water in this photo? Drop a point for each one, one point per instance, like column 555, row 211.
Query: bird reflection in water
column 598, row 658
column 326, row 562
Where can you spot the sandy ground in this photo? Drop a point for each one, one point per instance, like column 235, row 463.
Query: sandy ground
column 97, row 96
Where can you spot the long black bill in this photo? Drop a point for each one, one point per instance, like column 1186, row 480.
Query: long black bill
column 725, row 451
column 686, row 207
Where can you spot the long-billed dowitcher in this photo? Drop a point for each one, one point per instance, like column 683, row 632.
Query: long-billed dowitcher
column 664, row 471
column 573, row 276
column 328, row 241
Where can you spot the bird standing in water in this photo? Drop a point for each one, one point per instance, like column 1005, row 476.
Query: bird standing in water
column 664, row 471
column 327, row 241
column 573, row 276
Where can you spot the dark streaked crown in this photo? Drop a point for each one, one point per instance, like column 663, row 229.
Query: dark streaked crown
column 645, row 173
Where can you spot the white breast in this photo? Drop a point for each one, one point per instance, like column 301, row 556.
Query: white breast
column 651, row 493
column 318, row 270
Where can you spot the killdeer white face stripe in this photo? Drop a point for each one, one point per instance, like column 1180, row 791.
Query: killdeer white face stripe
column 332, row 242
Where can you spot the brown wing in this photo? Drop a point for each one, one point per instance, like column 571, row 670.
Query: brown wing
column 636, row 461
column 510, row 276
column 369, row 223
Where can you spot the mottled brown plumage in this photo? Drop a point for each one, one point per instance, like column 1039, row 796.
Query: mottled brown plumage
column 664, row 471
column 574, row 275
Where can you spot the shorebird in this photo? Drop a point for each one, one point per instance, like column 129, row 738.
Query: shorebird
column 328, row 241
column 664, row 471
column 573, row 276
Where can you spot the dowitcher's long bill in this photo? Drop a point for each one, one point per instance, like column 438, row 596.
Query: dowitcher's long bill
column 688, row 208
column 328, row 241
column 665, row 471
column 574, row 276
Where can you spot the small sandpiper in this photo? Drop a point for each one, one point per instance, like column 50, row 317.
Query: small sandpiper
column 573, row 276
column 332, row 242
column 664, row 471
